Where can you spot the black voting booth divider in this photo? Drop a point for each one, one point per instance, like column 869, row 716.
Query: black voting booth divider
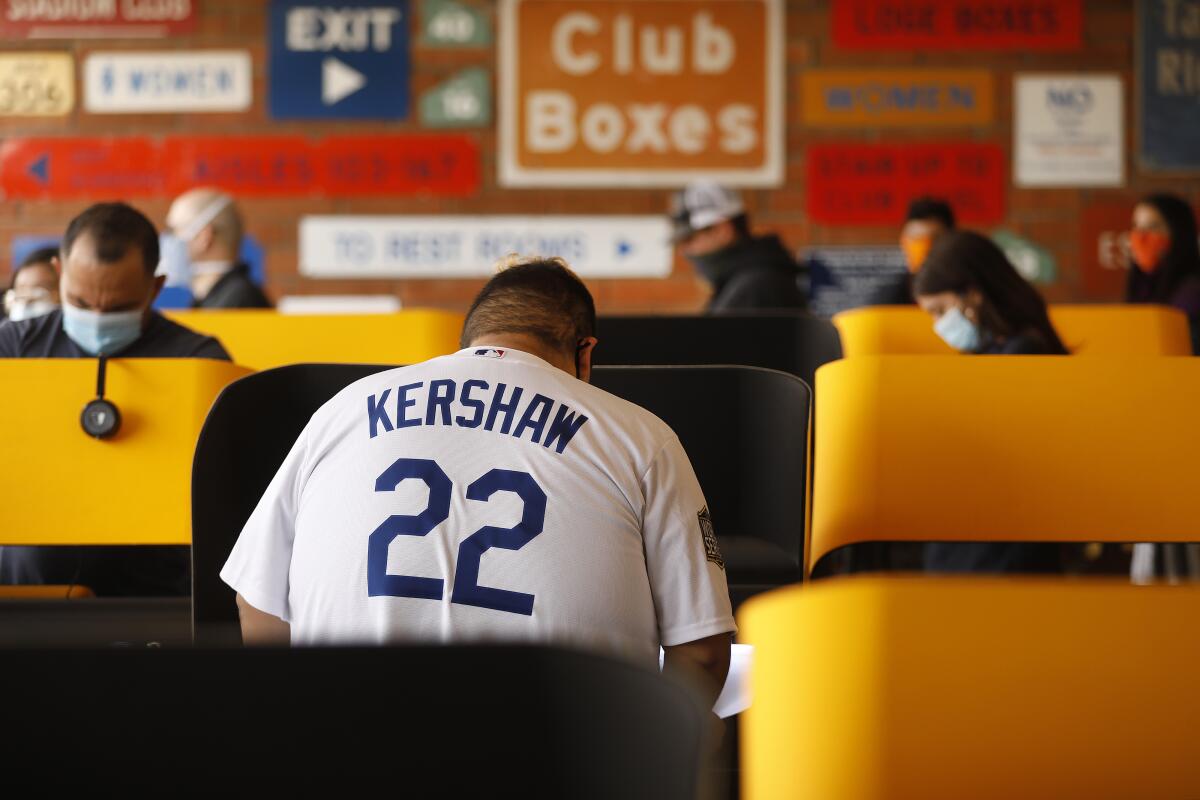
column 793, row 342
column 446, row 721
column 745, row 430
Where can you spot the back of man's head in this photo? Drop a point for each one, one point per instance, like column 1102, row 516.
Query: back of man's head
column 933, row 209
column 204, row 207
column 114, row 228
column 537, row 297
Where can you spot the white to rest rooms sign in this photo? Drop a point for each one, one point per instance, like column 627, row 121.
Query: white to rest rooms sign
column 468, row 247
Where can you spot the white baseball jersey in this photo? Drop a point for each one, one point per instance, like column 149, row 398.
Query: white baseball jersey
column 485, row 496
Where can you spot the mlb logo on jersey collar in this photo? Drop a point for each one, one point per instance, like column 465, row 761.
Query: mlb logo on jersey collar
column 489, row 352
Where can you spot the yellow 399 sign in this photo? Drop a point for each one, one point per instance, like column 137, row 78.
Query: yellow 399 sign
column 36, row 84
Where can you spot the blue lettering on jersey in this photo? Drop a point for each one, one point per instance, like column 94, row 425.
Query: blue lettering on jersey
column 499, row 406
column 403, row 403
column 440, row 395
column 470, row 402
column 377, row 414
column 566, row 424
column 548, row 422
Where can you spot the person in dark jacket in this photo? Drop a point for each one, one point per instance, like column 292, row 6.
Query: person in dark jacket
column 1166, row 258
column 746, row 272
column 981, row 305
column 109, row 255
column 201, row 249
column 1165, row 269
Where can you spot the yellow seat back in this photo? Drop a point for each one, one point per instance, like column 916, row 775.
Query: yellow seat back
column 265, row 339
column 63, row 487
column 1084, row 329
column 1020, row 448
column 991, row 689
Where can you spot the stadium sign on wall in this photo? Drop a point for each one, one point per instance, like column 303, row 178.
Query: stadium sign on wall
column 96, row 19
column 167, row 82
column 896, row 97
column 645, row 93
column 1168, row 79
column 864, row 184
column 262, row 166
column 36, row 84
column 1069, row 130
column 958, row 24
column 468, row 247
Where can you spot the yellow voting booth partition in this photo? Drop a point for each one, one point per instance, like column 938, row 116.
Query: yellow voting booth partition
column 1021, row 448
column 1084, row 329
column 265, row 339
column 62, row 486
column 946, row 688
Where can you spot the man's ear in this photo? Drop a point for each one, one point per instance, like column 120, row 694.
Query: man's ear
column 203, row 240
column 583, row 358
column 159, row 282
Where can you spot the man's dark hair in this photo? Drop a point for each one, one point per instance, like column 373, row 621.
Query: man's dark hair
column 960, row 261
column 539, row 297
column 115, row 227
column 931, row 208
column 39, row 257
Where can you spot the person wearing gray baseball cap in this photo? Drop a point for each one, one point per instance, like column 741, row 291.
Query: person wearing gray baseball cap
column 712, row 230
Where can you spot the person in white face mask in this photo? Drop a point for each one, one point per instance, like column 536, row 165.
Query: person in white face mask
column 200, row 250
column 34, row 289
column 109, row 253
column 980, row 305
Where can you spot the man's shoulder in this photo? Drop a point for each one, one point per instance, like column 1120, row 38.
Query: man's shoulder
column 18, row 339
column 168, row 339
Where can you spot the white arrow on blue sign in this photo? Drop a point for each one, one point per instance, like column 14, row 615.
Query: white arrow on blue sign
column 339, row 61
column 469, row 246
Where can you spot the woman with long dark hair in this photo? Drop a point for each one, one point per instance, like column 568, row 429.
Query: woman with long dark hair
column 979, row 302
column 981, row 305
column 1166, row 258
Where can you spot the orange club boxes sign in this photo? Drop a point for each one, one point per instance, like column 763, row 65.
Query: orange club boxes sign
column 641, row 92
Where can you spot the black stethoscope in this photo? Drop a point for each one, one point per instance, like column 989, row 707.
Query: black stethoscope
column 100, row 417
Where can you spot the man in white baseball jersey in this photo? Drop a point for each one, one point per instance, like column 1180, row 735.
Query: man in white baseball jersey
column 490, row 495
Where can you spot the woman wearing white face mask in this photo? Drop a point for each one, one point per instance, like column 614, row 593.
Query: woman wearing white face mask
column 34, row 289
column 981, row 305
column 979, row 302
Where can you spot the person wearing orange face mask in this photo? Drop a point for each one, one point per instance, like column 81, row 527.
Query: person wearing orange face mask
column 1166, row 258
column 927, row 218
column 1166, row 270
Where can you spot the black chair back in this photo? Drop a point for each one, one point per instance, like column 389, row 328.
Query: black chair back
column 449, row 721
column 745, row 430
column 794, row 342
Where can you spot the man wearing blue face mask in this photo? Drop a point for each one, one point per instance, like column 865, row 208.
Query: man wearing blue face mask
column 202, row 249
column 109, row 254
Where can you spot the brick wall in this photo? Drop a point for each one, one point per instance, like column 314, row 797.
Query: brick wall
column 1049, row 217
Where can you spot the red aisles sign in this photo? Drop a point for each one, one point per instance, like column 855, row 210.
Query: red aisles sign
column 873, row 184
column 112, row 19
column 253, row 166
column 80, row 167
column 958, row 24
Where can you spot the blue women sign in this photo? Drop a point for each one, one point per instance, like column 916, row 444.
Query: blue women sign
column 1169, row 85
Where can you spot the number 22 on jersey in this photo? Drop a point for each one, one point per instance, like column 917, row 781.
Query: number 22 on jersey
column 467, row 590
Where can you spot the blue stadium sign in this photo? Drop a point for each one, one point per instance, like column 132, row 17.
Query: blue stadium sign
column 339, row 61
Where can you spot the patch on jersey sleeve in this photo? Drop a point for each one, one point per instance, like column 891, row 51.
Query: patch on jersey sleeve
column 712, row 550
column 489, row 352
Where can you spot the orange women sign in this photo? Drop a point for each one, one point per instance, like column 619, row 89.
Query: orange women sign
column 641, row 92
